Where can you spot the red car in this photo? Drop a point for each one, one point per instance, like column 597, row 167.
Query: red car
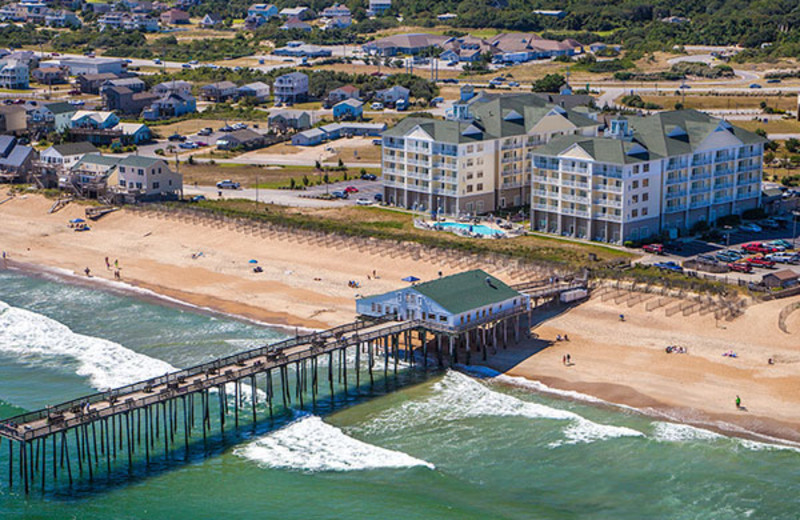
column 758, row 247
column 740, row 267
column 657, row 249
column 351, row 189
column 761, row 262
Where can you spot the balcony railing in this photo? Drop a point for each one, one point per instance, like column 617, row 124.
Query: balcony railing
column 575, row 212
column 699, row 203
column 614, row 203
column 607, row 216
column 675, row 208
column 608, row 187
column 676, row 180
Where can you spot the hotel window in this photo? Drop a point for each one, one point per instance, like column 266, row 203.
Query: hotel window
column 645, row 168
column 636, row 169
column 470, row 148
column 635, row 199
column 469, row 188
column 644, row 212
column 479, row 187
column 645, row 183
column 155, row 185
column 141, row 172
column 480, row 147
column 635, row 213
column 645, row 197
column 635, row 184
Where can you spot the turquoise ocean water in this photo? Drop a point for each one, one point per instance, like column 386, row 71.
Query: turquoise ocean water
column 440, row 445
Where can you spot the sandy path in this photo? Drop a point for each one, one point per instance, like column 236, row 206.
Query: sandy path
column 302, row 284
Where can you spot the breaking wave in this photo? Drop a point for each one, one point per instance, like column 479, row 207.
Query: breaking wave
column 310, row 444
column 38, row 340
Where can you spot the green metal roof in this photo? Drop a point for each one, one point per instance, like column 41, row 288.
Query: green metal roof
column 60, row 108
column 138, row 161
column 466, row 291
column 657, row 136
column 494, row 117
column 103, row 160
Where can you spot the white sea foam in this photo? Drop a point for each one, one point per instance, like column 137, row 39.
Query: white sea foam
column 674, row 432
column 35, row 338
column 458, row 396
column 310, row 444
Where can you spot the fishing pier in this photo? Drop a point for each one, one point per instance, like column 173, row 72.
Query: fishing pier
column 138, row 422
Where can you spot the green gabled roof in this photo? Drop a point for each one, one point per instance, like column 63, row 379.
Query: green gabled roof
column 466, row 291
column 60, row 108
column 602, row 149
column 103, row 160
column 138, row 161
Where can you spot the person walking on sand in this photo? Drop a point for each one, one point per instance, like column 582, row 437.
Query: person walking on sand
column 738, row 403
column 564, row 360
column 569, row 360
column 108, row 264
column 116, row 263
column 88, row 272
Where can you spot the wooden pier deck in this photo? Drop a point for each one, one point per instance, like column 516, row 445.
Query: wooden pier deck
column 141, row 410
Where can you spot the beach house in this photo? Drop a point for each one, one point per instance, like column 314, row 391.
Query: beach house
column 291, row 88
column 16, row 160
column 391, row 95
column 218, row 92
column 145, row 178
column 263, row 11
column 64, row 156
column 13, row 75
column 453, row 302
column 258, row 91
column 283, row 120
column 378, row 7
column 348, row 109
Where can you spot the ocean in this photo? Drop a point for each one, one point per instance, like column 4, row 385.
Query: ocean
column 452, row 444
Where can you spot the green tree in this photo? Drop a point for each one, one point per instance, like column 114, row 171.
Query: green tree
column 549, row 83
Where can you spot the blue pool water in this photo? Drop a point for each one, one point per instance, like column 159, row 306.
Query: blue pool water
column 474, row 228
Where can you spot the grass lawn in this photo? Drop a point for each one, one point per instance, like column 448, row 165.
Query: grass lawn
column 250, row 176
column 698, row 101
column 311, row 105
column 191, row 126
column 781, row 126
column 367, row 154
column 394, row 225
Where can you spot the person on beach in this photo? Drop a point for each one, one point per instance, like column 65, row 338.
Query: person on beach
column 564, row 360
column 117, row 275
column 5, row 259
column 569, row 360
column 88, row 272
column 116, row 263
column 621, row 317
column 108, row 264
column 738, row 403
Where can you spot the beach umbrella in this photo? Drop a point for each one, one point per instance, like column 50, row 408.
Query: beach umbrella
column 77, row 221
column 410, row 279
column 253, row 261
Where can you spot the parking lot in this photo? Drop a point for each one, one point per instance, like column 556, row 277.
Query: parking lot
column 683, row 250
column 366, row 189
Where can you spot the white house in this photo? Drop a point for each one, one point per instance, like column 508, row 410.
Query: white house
column 14, row 75
column 146, row 178
column 64, row 156
column 291, row 87
column 457, row 302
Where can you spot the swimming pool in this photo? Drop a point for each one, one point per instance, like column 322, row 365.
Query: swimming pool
column 473, row 228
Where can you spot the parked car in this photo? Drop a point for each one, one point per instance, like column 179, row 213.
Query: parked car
column 376, row 106
column 186, row 66
column 755, row 85
column 669, row 266
column 157, row 61
column 656, row 249
column 226, row 128
column 784, row 258
column 205, row 131
column 198, row 198
column 513, row 83
column 364, row 202
column 228, row 184
column 728, row 256
column 751, row 227
column 760, row 261
column 340, row 194
column 188, row 145
column 785, row 244
column 706, row 259
column 773, row 80
column 351, row 189
column 193, row 62
column 758, row 247
column 176, row 137
column 77, row 102
column 740, row 267
column 201, row 143
column 239, row 126
column 451, row 81
column 369, row 177
column 378, row 197
column 770, row 224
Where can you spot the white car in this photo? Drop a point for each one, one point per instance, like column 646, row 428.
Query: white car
column 364, row 202
column 784, row 258
column 754, row 228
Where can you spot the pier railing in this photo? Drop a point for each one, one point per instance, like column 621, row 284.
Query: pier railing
column 177, row 376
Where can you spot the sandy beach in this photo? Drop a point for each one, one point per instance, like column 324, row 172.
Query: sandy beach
column 305, row 285
column 301, row 284
column 626, row 363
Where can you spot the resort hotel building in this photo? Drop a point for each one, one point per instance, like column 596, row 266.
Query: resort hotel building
column 479, row 159
column 645, row 175
column 640, row 176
